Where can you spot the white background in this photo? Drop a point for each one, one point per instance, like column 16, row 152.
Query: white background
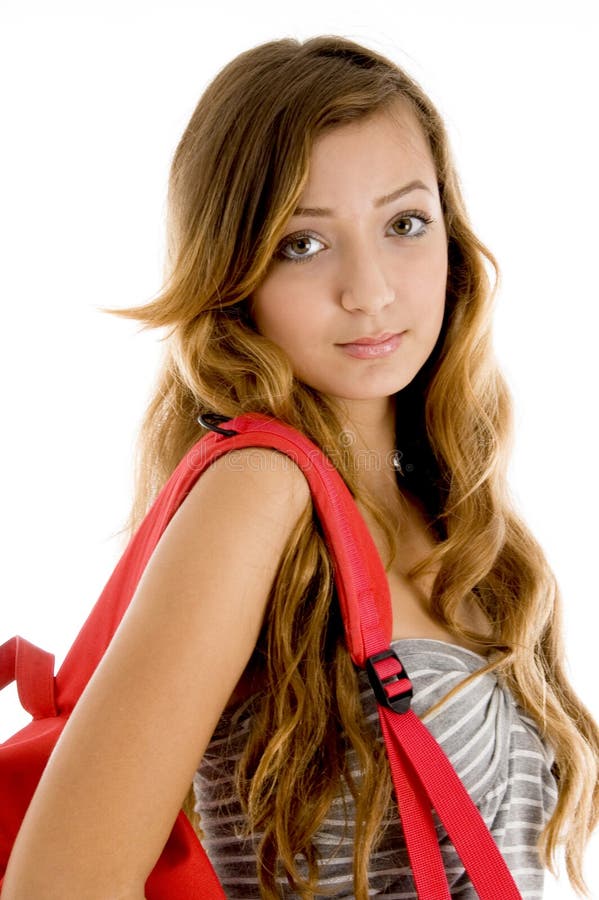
column 94, row 100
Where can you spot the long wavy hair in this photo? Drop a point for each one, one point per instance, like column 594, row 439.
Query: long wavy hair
column 236, row 177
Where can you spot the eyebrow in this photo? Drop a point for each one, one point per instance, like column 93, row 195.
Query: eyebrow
column 416, row 185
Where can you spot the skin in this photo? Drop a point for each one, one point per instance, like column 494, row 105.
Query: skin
column 362, row 271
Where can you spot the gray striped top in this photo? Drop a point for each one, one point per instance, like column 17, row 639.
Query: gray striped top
column 494, row 746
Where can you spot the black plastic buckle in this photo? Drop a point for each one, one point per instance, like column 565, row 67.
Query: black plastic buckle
column 398, row 702
column 206, row 420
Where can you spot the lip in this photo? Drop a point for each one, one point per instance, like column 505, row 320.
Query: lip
column 371, row 348
column 375, row 339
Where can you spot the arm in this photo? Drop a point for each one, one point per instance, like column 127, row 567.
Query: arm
column 117, row 778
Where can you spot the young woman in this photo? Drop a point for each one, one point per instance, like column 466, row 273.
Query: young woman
column 322, row 270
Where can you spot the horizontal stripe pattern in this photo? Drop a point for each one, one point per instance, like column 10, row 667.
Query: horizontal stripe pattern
column 494, row 746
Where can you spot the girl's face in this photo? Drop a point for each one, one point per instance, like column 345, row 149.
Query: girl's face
column 365, row 256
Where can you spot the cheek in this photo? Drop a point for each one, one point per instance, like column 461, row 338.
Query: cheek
column 437, row 283
column 428, row 285
column 275, row 321
column 283, row 312
column 433, row 267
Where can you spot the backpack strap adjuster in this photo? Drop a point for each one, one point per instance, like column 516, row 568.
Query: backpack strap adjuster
column 389, row 680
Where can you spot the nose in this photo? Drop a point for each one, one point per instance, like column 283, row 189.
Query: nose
column 364, row 284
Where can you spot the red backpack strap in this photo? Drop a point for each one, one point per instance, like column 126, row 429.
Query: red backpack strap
column 33, row 670
column 423, row 776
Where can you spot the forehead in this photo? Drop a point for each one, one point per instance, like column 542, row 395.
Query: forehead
column 386, row 144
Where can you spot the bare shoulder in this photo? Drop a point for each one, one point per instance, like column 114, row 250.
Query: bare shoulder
column 224, row 543
column 253, row 489
column 256, row 470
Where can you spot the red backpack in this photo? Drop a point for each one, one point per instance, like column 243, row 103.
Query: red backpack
column 423, row 777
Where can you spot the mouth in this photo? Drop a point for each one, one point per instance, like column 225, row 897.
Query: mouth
column 372, row 347
column 374, row 339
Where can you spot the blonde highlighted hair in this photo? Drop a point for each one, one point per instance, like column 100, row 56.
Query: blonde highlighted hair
column 236, row 176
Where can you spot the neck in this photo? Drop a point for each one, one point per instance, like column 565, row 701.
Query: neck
column 369, row 433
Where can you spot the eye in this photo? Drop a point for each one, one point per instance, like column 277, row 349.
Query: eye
column 295, row 247
column 406, row 224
